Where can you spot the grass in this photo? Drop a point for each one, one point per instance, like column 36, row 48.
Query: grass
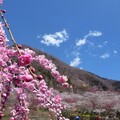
column 41, row 114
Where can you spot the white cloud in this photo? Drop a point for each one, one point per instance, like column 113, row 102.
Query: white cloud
column 81, row 42
column 38, row 36
column 76, row 53
column 81, row 67
column 105, row 55
column 114, row 51
column 55, row 39
column 84, row 40
column 94, row 34
column 100, row 46
column 105, row 43
column 75, row 62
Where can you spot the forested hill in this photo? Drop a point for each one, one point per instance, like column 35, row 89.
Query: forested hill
column 80, row 80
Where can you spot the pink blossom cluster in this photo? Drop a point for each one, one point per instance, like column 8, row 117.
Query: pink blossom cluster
column 52, row 68
column 17, row 76
column 21, row 110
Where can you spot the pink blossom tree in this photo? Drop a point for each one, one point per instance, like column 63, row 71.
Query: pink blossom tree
column 17, row 75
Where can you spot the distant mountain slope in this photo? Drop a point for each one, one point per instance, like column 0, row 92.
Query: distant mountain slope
column 80, row 80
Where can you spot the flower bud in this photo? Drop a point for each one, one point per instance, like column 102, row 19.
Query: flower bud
column 1, row 114
column 25, row 60
column 39, row 77
column 4, row 11
column 12, row 118
column 19, row 46
column 32, row 69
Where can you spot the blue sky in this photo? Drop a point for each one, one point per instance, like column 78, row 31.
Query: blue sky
column 82, row 33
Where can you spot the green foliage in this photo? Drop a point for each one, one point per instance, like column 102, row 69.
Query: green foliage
column 89, row 115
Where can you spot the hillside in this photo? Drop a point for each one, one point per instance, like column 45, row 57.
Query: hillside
column 80, row 80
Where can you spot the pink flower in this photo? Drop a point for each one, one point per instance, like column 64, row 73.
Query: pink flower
column 1, row 114
column 57, row 99
column 18, row 90
column 42, row 83
column 47, row 67
column 30, row 86
column 12, row 118
column 1, row 87
column 4, row 95
column 25, row 59
column 1, row 1
column 23, row 96
column 65, row 85
column 55, row 73
column 42, row 86
column 62, row 79
column 26, row 77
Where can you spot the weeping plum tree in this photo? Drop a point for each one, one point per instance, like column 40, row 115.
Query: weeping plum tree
column 16, row 75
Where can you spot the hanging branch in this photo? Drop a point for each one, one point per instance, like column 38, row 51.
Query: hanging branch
column 9, row 30
column 18, row 50
column 12, row 37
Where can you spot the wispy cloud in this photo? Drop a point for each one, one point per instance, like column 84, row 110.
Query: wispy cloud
column 94, row 34
column 81, row 42
column 115, row 51
column 100, row 46
column 105, row 43
column 75, row 62
column 55, row 39
column 105, row 55
column 85, row 38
